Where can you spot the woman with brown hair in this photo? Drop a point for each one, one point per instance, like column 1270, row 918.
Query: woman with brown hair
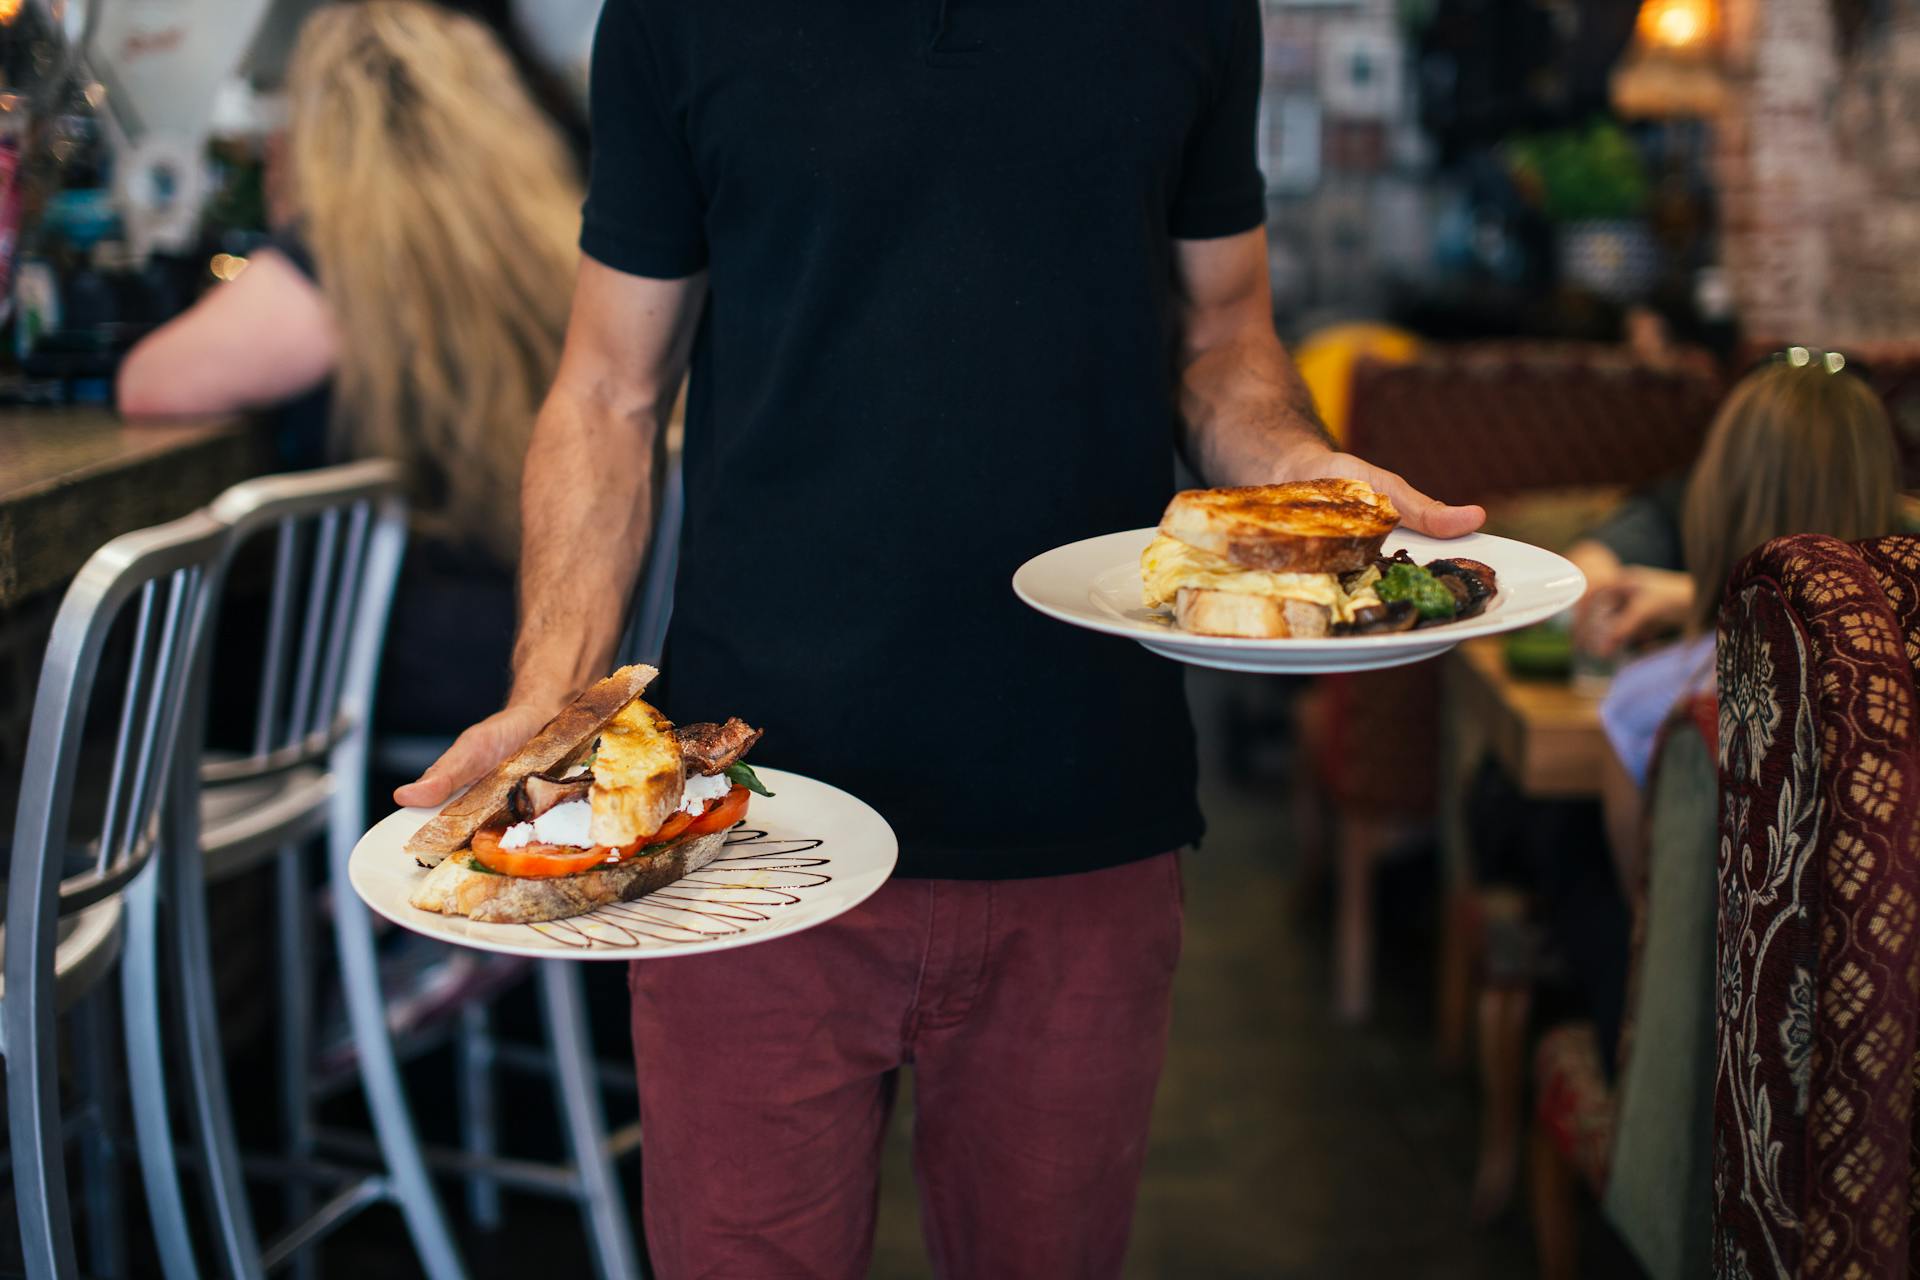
column 412, row 304
column 1799, row 446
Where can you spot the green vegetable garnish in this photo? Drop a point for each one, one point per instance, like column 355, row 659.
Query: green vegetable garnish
column 473, row 864
column 1427, row 594
column 741, row 774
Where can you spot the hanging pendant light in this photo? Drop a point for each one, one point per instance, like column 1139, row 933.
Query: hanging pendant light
column 1672, row 68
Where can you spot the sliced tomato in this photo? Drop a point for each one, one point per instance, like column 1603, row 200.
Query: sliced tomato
column 670, row 829
column 537, row 861
column 721, row 814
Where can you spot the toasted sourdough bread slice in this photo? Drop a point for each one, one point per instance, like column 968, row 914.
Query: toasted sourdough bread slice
column 454, row 888
column 563, row 736
column 637, row 776
column 1309, row 526
column 1236, row 613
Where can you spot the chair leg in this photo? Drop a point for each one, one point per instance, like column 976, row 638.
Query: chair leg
column 294, row 909
column 99, row 1158
column 576, row 1084
column 147, row 1078
column 1503, row 1087
column 1359, row 846
column 1454, row 999
column 33, row 1079
column 373, row 1039
column 478, row 1109
column 1556, row 1223
column 205, row 1073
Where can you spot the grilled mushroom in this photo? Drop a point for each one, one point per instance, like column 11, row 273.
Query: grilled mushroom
column 1476, row 580
column 1379, row 619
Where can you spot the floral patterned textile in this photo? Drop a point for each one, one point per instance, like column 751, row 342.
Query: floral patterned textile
column 1819, row 894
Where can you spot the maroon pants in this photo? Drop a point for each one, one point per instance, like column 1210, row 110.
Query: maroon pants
column 1034, row 1013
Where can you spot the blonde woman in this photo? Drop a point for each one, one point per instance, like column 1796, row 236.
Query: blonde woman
column 412, row 306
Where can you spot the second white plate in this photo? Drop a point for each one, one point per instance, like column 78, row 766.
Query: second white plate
column 1095, row 584
column 802, row 857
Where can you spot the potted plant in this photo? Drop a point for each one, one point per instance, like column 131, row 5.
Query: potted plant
column 1592, row 185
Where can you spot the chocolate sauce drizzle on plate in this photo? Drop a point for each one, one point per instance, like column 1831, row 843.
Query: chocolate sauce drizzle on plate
column 752, row 880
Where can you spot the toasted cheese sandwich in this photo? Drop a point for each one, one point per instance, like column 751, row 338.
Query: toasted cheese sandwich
column 1268, row 561
column 607, row 803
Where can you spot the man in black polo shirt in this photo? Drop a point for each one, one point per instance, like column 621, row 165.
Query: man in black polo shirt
column 954, row 277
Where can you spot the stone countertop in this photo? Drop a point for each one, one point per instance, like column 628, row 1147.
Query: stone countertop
column 70, row 479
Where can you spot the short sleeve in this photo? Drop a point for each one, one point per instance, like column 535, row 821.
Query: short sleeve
column 293, row 247
column 1645, row 529
column 645, row 213
column 1221, row 190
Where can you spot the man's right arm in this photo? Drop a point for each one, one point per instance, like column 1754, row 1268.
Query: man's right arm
column 586, row 505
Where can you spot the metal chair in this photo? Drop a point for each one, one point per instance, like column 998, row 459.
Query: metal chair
column 307, row 771
column 72, row 905
column 591, row 1177
column 338, row 538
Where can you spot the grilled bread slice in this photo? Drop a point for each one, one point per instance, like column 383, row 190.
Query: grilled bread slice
column 565, row 737
column 1310, row 526
column 456, row 888
column 1235, row 613
column 638, row 777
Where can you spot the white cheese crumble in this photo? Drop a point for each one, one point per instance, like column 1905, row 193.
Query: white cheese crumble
column 564, row 824
column 700, row 789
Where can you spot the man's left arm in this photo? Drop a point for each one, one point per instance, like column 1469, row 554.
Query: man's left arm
column 1248, row 417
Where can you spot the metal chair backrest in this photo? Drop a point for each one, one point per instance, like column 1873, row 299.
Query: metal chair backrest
column 169, row 576
column 645, row 634
column 338, row 537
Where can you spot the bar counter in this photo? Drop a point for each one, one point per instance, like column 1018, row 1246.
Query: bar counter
column 70, row 480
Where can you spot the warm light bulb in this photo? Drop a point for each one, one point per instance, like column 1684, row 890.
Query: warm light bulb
column 1675, row 24
column 226, row 266
column 9, row 10
column 1678, row 26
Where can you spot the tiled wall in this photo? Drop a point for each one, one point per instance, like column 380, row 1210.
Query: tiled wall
column 1819, row 168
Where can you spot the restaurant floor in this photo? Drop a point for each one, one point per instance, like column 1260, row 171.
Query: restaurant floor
column 1284, row 1145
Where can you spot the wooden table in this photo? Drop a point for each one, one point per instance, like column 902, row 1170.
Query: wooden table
column 1549, row 740
column 70, row 479
column 1546, row 735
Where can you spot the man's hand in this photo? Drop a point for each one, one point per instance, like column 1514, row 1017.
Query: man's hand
column 474, row 752
column 1417, row 511
column 1249, row 419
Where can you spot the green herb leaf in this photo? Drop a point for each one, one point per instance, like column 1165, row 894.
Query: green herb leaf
column 741, row 774
column 1428, row 595
column 473, row 864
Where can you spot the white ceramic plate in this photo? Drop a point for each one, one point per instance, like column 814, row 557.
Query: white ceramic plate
column 801, row 858
column 1096, row 584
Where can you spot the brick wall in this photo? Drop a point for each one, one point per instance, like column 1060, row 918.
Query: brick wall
column 1819, row 171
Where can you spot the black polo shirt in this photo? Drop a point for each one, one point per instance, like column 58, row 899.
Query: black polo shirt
column 938, row 341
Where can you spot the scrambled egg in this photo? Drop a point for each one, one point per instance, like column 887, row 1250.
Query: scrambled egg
column 1169, row 564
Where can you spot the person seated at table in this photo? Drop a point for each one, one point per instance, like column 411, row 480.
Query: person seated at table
column 1791, row 450
column 1796, row 448
column 411, row 306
